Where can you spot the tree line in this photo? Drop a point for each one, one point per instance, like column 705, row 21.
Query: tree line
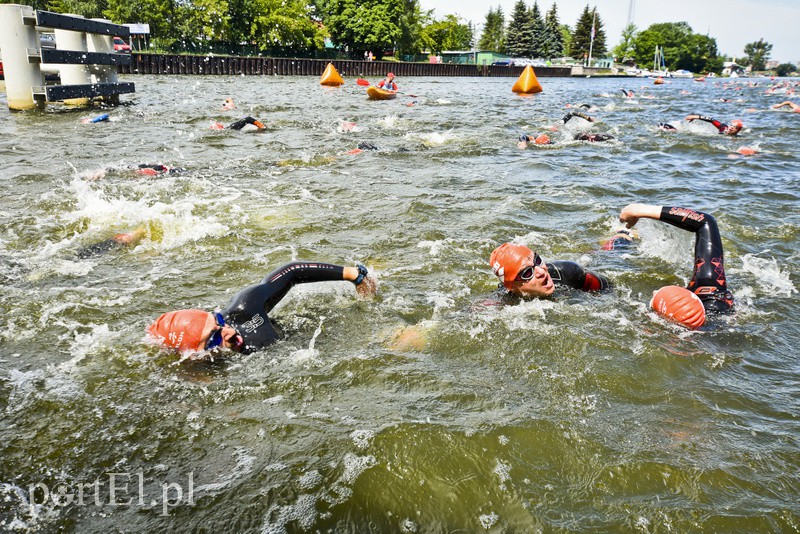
column 531, row 35
column 402, row 27
column 301, row 27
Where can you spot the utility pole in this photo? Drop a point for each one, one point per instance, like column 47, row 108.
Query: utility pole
column 631, row 11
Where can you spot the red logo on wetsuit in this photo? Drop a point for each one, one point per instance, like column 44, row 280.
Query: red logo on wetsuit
column 687, row 214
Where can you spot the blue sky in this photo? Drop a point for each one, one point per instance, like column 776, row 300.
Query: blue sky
column 733, row 23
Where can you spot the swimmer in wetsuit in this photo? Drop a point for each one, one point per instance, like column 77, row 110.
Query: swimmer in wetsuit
column 155, row 169
column 574, row 113
column 708, row 281
column 118, row 241
column 244, row 325
column 523, row 273
column 726, row 129
column 238, row 125
column 593, row 137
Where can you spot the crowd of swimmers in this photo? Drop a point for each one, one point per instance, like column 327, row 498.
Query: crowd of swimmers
column 245, row 324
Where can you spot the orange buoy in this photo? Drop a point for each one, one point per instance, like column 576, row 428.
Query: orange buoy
column 331, row 76
column 679, row 305
column 527, row 82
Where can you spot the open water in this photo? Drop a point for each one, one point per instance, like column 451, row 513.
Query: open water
column 438, row 406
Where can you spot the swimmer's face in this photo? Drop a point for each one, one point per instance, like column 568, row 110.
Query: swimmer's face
column 230, row 338
column 538, row 286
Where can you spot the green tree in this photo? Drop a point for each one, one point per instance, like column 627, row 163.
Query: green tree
column 537, row 31
column 240, row 16
column 784, row 69
column 519, row 35
column 447, row 34
column 493, row 36
column 683, row 49
column 624, row 50
column 582, row 36
column 87, row 8
column 160, row 15
column 361, row 25
column 566, row 37
column 206, row 20
column 285, row 24
column 758, row 53
column 552, row 40
column 411, row 23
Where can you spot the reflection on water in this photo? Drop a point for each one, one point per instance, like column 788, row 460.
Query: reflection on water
column 438, row 406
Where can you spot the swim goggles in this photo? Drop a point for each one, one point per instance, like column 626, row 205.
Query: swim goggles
column 215, row 339
column 527, row 273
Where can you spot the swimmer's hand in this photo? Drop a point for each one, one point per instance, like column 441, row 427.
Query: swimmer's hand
column 368, row 287
column 631, row 213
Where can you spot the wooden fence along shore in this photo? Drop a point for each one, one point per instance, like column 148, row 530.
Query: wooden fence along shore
column 257, row 66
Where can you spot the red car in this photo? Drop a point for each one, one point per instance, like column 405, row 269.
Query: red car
column 121, row 46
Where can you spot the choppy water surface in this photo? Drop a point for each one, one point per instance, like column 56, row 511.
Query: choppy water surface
column 581, row 413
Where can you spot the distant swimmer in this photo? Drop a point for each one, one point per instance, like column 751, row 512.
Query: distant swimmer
column 593, row 137
column 155, row 169
column 244, row 326
column 791, row 105
column 568, row 117
column 622, row 239
column 524, row 273
column 145, row 169
column 628, row 94
column 119, row 240
column 544, row 139
column 726, row 129
column 584, row 106
column 228, row 104
column 388, row 83
column 238, row 125
column 708, row 281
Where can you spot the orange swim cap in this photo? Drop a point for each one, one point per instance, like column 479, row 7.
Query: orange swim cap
column 737, row 123
column 508, row 260
column 181, row 329
column 217, row 125
column 746, row 151
column 679, row 305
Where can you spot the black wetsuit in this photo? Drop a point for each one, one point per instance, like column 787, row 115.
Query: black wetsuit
column 720, row 126
column 238, row 125
column 593, row 138
column 160, row 168
column 573, row 113
column 708, row 281
column 571, row 274
column 248, row 310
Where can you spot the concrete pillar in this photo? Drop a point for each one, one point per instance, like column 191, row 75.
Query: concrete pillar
column 103, row 73
column 73, row 74
column 16, row 38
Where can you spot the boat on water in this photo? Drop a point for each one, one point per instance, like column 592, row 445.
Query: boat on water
column 376, row 93
column 680, row 73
